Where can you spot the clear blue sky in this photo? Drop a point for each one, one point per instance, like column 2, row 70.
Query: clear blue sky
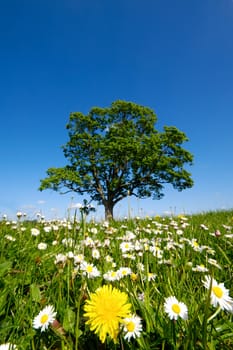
column 175, row 56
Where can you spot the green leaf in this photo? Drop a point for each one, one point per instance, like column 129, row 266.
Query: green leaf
column 5, row 267
column 35, row 292
column 69, row 321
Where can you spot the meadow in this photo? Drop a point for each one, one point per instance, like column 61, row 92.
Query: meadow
column 143, row 283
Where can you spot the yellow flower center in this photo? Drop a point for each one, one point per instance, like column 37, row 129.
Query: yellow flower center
column 89, row 268
column 217, row 291
column 44, row 319
column 176, row 308
column 195, row 244
column 130, row 326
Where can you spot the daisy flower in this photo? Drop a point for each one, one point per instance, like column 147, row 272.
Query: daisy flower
column 123, row 272
column 105, row 310
column 126, row 247
column 111, row 276
column 8, row 346
column 200, row 268
column 44, row 318
column 219, row 294
column 42, row 246
column 132, row 327
column 89, row 270
column 95, row 253
column 175, row 308
column 35, row 231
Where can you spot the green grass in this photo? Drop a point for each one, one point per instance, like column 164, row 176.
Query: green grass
column 165, row 253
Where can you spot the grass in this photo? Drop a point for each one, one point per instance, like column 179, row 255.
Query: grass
column 153, row 259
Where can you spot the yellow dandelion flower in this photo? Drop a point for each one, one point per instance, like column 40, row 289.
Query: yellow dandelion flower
column 105, row 310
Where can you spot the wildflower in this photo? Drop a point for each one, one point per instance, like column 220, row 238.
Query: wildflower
column 8, row 346
column 126, row 247
column 42, row 246
column 204, row 227
column 108, row 258
column 132, row 327
column 89, row 270
column 78, row 258
column 111, row 276
column 95, row 253
column 60, row 258
column 124, row 271
column 151, row 276
column 70, row 255
column 214, row 263
column 200, row 268
column 10, row 238
column 175, row 308
column 47, row 229
column 44, row 318
column 68, row 242
column 105, row 310
column 157, row 252
column 35, row 231
column 219, row 294
column 94, row 230
column 141, row 296
column 196, row 245
column 19, row 214
column 133, row 276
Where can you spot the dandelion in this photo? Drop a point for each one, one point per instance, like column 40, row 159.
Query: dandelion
column 132, row 327
column 175, row 308
column 105, row 310
column 133, row 277
column 44, row 318
column 219, row 294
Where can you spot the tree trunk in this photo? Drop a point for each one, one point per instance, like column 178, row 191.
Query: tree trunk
column 108, row 206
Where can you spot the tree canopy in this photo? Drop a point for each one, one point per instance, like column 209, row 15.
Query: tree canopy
column 116, row 151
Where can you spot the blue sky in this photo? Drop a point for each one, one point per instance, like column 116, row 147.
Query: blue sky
column 56, row 57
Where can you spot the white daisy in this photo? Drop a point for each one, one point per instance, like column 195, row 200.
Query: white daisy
column 95, row 253
column 89, row 270
column 35, row 231
column 126, row 247
column 175, row 308
column 132, row 327
column 219, row 294
column 111, row 276
column 42, row 246
column 123, row 272
column 8, row 346
column 200, row 268
column 44, row 318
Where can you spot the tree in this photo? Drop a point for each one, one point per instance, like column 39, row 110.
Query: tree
column 116, row 152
